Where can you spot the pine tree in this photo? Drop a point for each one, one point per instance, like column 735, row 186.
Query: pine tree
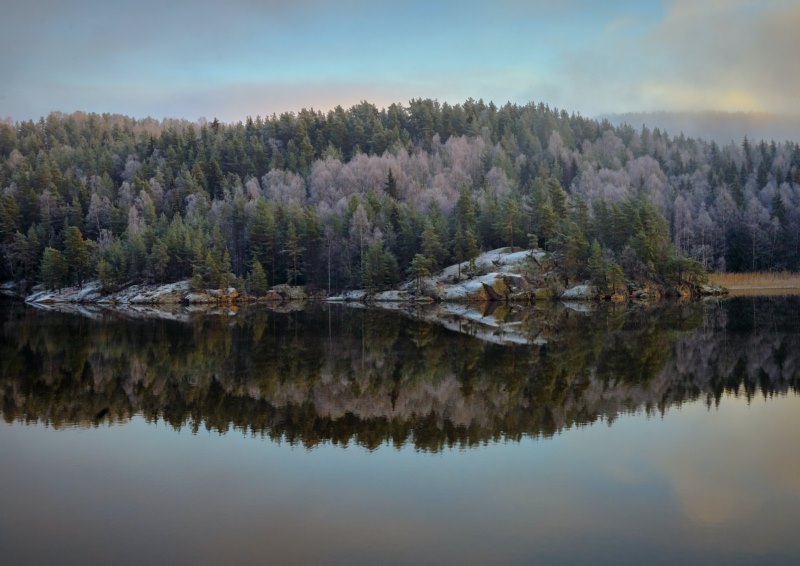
column 558, row 197
column 597, row 266
column 294, row 250
column 9, row 217
column 543, row 218
column 159, row 260
column 465, row 241
column 465, row 247
column 105, row 274
column 615, row 278
column 419, row 267
column 53, row 269
column 225, row 275
column 374, row 267
column 211, row 272
column 576, row 251
column 510, row 221
column 432, row 246
column 76, row 252
column 257, row 279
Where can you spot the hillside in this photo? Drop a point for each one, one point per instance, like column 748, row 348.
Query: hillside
column 366, row 197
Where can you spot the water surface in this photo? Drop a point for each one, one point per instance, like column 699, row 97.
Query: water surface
column 341, row 435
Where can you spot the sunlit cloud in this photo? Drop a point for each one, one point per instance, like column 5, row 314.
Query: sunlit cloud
column 200, row 58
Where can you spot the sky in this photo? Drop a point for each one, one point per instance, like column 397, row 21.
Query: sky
column 236, row 58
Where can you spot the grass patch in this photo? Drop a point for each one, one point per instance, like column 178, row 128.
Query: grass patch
column 758, row 283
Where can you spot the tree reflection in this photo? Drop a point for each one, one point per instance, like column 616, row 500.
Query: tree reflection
column 340, row 375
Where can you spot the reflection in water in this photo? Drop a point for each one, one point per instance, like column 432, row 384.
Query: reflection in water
column 342, row 375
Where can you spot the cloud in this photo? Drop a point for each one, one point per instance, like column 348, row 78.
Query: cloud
column 728, row 55
column 184, row 58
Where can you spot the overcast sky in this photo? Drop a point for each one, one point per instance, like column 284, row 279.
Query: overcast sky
column 234, row 58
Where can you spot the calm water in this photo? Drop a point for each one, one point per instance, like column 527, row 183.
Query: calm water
column 343, row 435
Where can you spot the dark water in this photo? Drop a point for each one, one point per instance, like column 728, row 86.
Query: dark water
column 344, row 435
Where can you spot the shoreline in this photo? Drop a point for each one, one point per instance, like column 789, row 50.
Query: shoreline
column 504, row 275
column 178, row 294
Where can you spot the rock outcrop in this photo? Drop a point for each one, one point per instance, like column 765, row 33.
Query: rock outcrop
column 504, row 274
column 584, row 292
column 284, row 293
column 171, row 293
column 167, row 294
column 89, row 293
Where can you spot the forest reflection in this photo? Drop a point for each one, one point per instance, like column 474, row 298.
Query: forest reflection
column 335, row 374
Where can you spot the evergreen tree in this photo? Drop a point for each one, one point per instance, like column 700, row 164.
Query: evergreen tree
column 53, row 269
column 374, row 268
column 510, row 222
column 77, row 254
column 615, row 279
column 159, row 261
column 105, row 274
column 576, row 251
column 597, row 266
column 419, row 267
column 9, row 217
column 212, row 271
column 257, row 279
column 294, row 251
column 542, row 219
column 432, row 246
column 391, row 185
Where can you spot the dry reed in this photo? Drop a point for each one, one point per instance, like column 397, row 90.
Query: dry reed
column 757, row 280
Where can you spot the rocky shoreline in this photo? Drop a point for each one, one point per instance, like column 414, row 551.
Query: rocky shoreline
column 504, row 275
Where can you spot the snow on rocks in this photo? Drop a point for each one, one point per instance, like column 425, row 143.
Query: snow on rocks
column 348, row 296
column 10, row 289
column 212, row 296
column 496, row 275
column 400, row 296
column 496, row 286
column 506, row 260
column 171, row 293
column 498, row 324
column 168, row 294
column 579, row 306
column 86, row 294
column 583, row 292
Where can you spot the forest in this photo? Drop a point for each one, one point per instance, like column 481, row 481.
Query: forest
column 365, row 197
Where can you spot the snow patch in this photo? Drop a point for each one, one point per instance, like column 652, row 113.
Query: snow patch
column 580, row 293
column 357, row 295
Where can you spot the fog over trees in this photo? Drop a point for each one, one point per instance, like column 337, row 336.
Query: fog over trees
column 349, row 198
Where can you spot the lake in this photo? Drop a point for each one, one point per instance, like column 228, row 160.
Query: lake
column 339, row 435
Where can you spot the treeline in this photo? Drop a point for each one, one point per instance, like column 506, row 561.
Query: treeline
column 350, row 198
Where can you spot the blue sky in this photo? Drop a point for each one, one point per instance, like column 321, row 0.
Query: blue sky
column 246, row 57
